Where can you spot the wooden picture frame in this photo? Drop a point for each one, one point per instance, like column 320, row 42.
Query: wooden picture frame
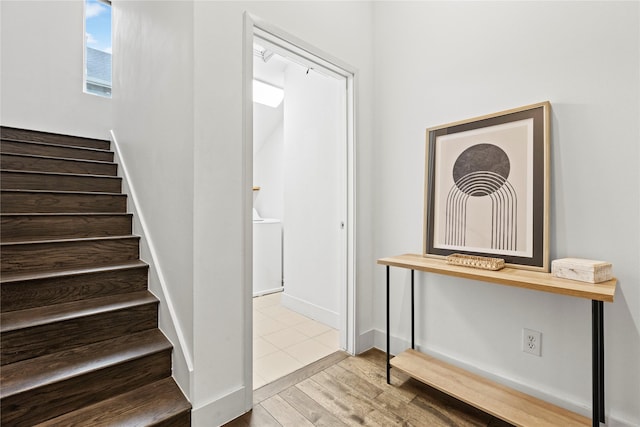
column 487, row 187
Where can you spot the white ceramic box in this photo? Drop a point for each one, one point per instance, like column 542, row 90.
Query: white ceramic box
column 583, row 270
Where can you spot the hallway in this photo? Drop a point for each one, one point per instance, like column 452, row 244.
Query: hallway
column 342, row 390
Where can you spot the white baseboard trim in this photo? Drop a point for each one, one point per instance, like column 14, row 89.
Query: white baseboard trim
column 311, row 310
column 615, row 422
column 366, row 341
column 219, row 411
column 399, row 344
column 267, row 292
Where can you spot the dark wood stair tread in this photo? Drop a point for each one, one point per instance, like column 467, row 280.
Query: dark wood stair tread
column 55, row 150
column 56, row 145
column 77, row 239
column 16, row 227
column 58, row 181
column 65, row 174
column 36, row 162
column 23, row 276
column 30, row 374
column 19, row 319
column 27, row 201
column 62, row 254
column 23, row 291
column 64, row 159
column 145, row 406
column 45, row 192
column 58, row 214
column 9, row 132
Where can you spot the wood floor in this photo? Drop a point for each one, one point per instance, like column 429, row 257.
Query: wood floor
column 342, row 390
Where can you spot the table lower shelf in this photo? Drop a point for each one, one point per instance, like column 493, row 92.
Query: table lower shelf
column 498, row 400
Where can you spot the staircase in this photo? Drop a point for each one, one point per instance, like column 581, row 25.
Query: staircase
column 79, row 343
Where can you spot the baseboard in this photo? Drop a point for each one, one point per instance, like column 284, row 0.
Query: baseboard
column 311, row 310
column 219, row 411
column 614, row 422
column 399, row 344
column 365, row 341
column 267, row 292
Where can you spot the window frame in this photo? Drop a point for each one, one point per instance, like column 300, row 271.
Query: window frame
column 85, row 80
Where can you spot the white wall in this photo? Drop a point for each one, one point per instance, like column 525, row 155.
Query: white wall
column 153, row 123
column 268, row 157
column 219, row 254
column 41, row 70
column 438, row 62
column 314, row 162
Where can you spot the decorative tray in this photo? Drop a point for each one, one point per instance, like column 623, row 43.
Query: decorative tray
column 485, row 263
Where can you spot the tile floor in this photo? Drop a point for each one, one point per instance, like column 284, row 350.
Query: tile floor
column 284, row 341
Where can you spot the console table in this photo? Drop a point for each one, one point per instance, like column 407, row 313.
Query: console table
column 500, row 401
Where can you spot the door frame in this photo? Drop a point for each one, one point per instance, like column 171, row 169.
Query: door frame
column 254, row 26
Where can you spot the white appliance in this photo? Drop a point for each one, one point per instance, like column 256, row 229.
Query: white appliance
column 267, row 255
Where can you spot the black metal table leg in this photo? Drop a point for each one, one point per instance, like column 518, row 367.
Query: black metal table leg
column 388, row 332
column 597, row 342
column 413, row 316
column 601, row 359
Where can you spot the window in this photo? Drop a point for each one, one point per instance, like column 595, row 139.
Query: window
column 97, row 44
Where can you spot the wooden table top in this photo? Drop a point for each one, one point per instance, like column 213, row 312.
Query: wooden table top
column 508, row 276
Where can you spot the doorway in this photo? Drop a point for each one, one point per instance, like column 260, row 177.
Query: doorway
column 307, row 183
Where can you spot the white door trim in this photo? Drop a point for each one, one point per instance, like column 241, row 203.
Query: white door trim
column 254, row 26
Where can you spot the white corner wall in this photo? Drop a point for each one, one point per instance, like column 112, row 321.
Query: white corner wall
column 219, row 317
column 153, row 124
column 41, row 70
column 438, row 62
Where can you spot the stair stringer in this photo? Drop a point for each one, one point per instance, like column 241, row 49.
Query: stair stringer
column 168, row 321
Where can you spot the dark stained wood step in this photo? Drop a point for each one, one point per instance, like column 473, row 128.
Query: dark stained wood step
column 160, row 403
column 27, row 162
column 23, row 291
column 53, row 150
column 68, row 253
column 42, row 388
column 27, row 227
column 54, row 138
column 79, row 343
column 53, row 181
column 27, row 201
column 34, row 332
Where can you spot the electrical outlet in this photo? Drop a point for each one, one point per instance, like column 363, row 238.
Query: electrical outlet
column 532, row 342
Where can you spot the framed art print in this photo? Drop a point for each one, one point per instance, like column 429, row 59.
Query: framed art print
column 487, row 187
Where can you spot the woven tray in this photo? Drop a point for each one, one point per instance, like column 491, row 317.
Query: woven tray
column 482, row 262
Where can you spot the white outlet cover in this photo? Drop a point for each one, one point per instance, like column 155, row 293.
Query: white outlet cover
column 532, row 342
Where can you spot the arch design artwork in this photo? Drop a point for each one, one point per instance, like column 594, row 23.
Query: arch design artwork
column 482, row 170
